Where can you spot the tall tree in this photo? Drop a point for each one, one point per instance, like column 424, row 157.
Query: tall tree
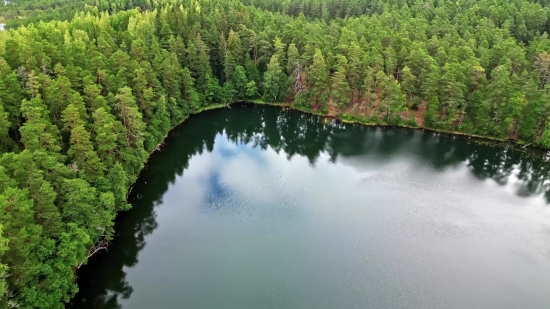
column 3, row 248
column 274, row 81
column 38, row 133
column 340, row 87
column 318, row 80
column 239, row 82
column 83, row 154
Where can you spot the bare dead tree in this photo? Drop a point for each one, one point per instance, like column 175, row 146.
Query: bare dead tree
column 102, row 245
column 128, row 194
column 73, row 166
column 44, row 67
column 158, row 147
column 23, row 74
column 542, row 65
column 298, row 77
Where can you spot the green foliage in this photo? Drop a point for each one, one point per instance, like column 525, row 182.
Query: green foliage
column 412, row 121
column 5, row 141
column 83, row 102
column 240, row 82
column 340, row 87
column 318, row 74
column 83, row 154
column 227, row 93
column 274, row 81
column 251, row 89
column 3, row 248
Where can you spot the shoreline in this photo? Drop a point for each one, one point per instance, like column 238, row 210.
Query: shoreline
column 500, row 142
column 371, row 124
column 489, row 141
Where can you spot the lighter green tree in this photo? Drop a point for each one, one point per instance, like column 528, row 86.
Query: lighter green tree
column 340, row 87
column 318, row 80
column 239, row 82
column 82, row 153
column 274, row 81
column 3, row 248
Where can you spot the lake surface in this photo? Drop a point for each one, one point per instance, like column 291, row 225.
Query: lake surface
column 258, row 207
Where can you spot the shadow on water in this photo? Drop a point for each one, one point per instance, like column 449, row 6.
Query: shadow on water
column 103, row 281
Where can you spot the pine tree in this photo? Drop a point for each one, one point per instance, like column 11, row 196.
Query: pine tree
column 409, row 83
column 274, row 81
column 145, row 95
column 25, row 169
column 233, row 54
column 190, row 95
column 240, row 81
column 3, row 268
column 500, row 91
column 38, row 133
column 71, row 118
column 452, row 89
column 280, row 52
column 251, row 89
column 159, row 125
column 78, row 205
column 130, row 117
column 340, row 86
column 199, row 63
column 27, row 249
column 106, row 132
column 119, row 184
column 5, row 141
column 11, row 96
column 318, row 80
column 355, row 70
column 390, row 60
column 83, row 154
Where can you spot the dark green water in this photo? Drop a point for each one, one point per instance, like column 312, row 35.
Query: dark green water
column 256, row 207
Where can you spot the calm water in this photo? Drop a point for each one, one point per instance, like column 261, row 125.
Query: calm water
column 256, row 207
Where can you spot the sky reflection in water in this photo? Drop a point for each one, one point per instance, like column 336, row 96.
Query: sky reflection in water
column 256, row 207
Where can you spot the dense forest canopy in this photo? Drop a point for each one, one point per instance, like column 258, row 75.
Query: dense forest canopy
column 85, row 97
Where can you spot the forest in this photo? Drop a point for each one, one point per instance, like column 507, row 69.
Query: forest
column 88, row 89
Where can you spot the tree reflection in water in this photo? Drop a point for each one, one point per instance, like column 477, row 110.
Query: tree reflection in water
column 295, row 134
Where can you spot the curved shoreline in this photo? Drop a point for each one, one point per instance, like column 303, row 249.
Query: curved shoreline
column 370, row 124
column 490, row 141
column 487, row 140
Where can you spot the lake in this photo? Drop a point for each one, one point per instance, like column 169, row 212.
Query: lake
column 259, row 207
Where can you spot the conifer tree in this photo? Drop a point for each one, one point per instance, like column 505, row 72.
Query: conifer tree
column 239, row 82
column 318, row 80
column 274, row 81
column 83, row 154
column 340, row 86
